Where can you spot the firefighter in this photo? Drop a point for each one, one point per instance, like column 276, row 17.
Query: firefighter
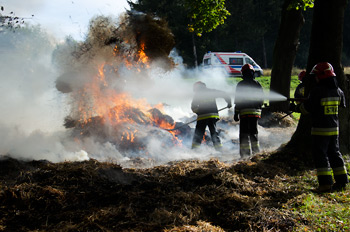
column 323, row 103
column 299, row 91
column 249, row 98
column 204, row 105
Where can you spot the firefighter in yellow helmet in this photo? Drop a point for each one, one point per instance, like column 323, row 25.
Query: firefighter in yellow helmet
column 249, row 98
column 323, row 103
column 204, row 105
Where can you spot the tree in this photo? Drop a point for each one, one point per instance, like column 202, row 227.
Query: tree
column 285, row 51
column 250, row 27
column 250, row 23
column 205, row 16
column 200, row 15
column 326, row 45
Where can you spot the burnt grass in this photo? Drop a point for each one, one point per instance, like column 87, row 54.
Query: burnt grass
column 180, row 196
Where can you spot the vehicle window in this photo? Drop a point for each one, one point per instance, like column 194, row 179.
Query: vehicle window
column 249, row 61
column 236, row 61
column 207, row 61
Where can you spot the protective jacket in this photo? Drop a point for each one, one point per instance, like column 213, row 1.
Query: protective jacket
column 249, row 98
column 204, row 103
column 323, row 103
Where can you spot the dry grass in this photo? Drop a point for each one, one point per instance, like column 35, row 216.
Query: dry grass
column 295, row 71
column 269, row 192
column 182, row 196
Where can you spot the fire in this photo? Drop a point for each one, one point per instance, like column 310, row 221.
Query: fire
column 119, row 109
column 96, row 72
column 142, row 55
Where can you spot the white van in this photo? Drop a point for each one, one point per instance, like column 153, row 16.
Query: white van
column 232, row 62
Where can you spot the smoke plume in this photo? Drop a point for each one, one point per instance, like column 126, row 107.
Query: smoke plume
column 110, row 97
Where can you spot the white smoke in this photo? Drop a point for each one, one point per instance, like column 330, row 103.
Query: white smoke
column 33, row 110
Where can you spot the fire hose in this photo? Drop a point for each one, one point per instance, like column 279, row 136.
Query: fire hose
column 191, row 121
column 292, row 100
column 296, row 99
column 285, row 116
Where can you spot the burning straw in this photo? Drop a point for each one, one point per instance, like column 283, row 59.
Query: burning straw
column 97, row 72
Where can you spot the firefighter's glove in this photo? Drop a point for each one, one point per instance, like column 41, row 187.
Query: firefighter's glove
column 236, row 118
column 229, row 105
column 292, row 107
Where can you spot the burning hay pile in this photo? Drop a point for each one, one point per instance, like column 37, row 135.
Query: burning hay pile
column 183, row 196
column 102, row 77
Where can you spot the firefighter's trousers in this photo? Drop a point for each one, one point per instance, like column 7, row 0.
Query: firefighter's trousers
column 328, row 159
column 248, row 136
column 200, row 130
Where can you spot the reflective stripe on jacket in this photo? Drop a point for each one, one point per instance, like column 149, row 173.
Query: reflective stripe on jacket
column 206, row 116
column 252, row 112
column 325, row 131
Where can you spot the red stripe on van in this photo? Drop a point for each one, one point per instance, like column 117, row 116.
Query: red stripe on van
column 221, row 60
column 228, row 68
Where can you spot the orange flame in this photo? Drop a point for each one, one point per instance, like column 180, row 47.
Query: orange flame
column 118, row 109
column 142, row 55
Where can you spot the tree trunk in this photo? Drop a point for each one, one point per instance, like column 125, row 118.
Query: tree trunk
column 194, row 51
column 284, row 54
column 326, row 45
column 264, row 51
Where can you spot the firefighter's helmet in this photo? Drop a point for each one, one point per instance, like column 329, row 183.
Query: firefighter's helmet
column 301, row 75
column 247, row 67
column 323, row 70
column 198, row 85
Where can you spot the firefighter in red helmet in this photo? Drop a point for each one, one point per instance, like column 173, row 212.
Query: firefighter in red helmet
column 299, row 91
column 204, row 105
column 249, row 98
column 323, row 103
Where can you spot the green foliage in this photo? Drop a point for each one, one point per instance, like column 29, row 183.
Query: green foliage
column 301, row 4
column 294, row 82
column 265, row 82
column 327, row 212
column 250, row 23
column 205, row 15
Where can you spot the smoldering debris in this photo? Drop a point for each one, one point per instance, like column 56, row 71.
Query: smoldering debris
column 133, row 134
